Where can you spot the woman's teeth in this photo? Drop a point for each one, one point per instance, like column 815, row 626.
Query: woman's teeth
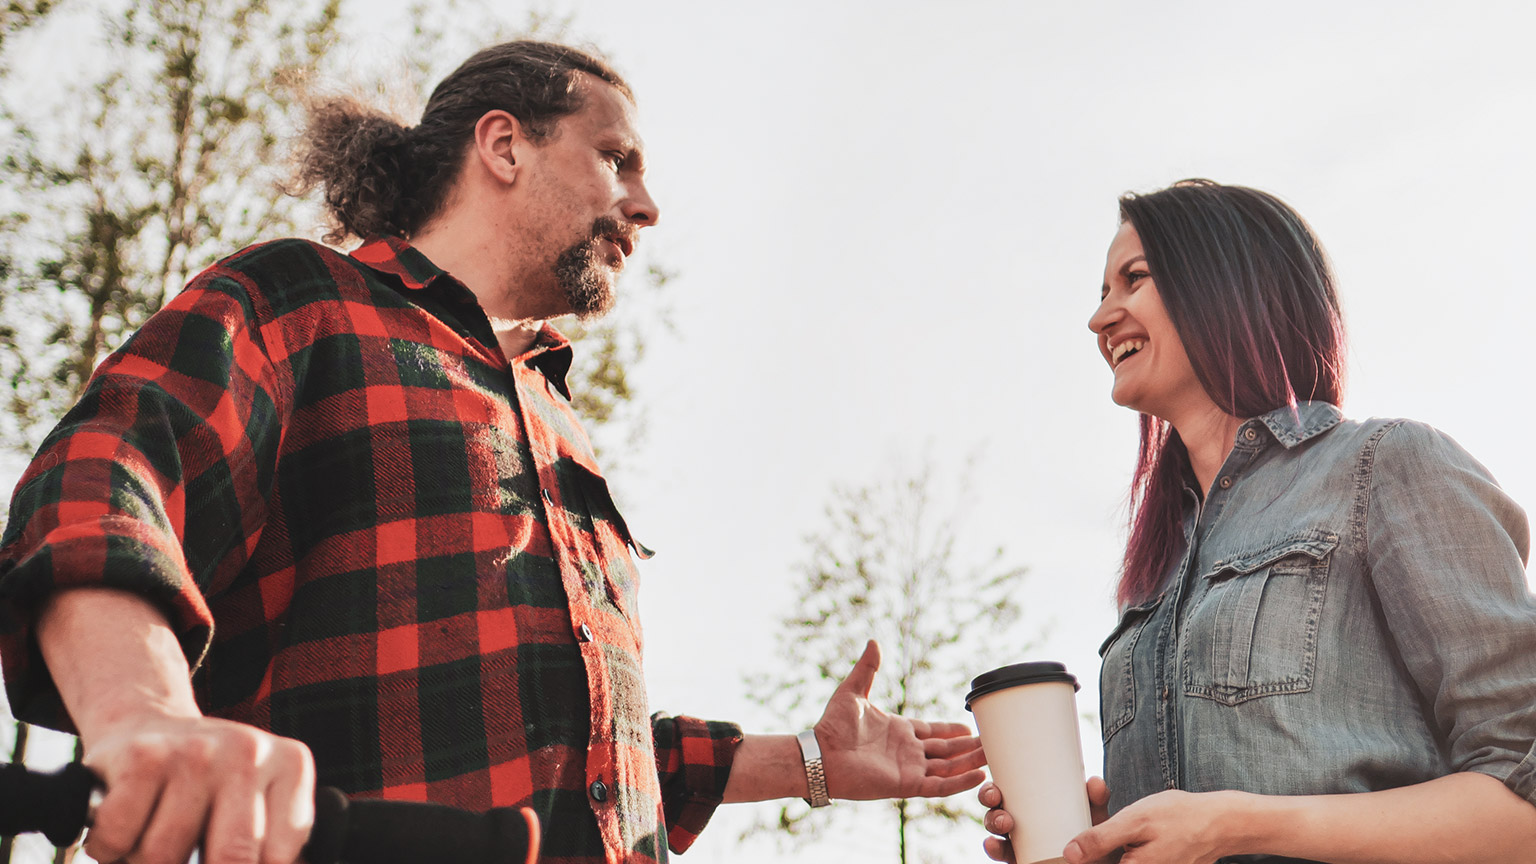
column 1125, row 349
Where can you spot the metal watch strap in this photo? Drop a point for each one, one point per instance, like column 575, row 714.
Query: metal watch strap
column 815, row 775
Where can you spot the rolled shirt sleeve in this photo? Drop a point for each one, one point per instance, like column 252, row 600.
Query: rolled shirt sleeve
column 154, row 483
column 693, row 759
column 1447, row 549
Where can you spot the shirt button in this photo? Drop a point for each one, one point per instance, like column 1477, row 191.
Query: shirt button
column 1226, row 482
column 586, row 635
column 548, row 498
column 599, row 790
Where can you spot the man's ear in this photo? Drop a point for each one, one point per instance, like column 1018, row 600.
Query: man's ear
column 500, row 144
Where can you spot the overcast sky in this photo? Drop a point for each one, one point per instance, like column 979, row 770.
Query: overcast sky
column 889, row 220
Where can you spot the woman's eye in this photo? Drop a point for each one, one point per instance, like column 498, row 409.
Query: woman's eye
column 1135, row 276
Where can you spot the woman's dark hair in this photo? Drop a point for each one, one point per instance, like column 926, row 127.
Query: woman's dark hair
column 1249, row 290
column 382, row 178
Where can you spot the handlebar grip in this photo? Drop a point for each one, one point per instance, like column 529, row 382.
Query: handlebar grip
column 55, row 804
column 373, row 831
column 364, row 831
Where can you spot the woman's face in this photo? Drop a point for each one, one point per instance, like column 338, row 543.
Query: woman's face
column 1152, row 371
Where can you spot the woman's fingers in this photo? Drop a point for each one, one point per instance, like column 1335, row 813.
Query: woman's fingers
column 998, row 849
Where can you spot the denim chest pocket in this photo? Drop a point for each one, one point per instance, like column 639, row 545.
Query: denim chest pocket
column 1250, row 629
column 1117, row 676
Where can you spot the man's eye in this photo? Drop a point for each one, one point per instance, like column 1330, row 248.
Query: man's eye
column 615, row 160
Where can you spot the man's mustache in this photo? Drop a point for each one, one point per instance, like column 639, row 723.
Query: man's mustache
column 624, row 234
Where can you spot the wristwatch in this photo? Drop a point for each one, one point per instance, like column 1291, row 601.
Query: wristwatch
column 815, row 775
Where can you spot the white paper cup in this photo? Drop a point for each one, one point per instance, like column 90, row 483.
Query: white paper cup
column 1026, row 715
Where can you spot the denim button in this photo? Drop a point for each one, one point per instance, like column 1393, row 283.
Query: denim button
column 1250, row 434
column 1226, row 482
column 586, row 633
column 599, row 790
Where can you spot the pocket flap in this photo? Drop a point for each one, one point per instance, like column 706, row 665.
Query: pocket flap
column 1128, row 619
column 1315, row 545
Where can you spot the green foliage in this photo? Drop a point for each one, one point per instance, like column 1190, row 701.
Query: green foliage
column 165, row 156
column 169, row 152
column 889, row 562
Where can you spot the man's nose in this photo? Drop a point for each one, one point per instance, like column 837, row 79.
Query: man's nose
column 639, row 208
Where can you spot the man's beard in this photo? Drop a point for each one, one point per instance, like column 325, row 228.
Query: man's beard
column 584, row 277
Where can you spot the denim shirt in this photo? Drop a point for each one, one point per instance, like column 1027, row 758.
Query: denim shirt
column 1350, row 614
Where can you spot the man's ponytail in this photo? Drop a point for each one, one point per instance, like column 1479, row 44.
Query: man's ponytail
column 380, row 178
column 363, row 162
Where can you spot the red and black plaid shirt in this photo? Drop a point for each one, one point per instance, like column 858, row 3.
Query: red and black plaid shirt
column 374, row 534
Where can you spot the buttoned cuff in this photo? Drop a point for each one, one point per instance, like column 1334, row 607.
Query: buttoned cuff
column 1522, row 780
column 112, row 552
column 693, row 761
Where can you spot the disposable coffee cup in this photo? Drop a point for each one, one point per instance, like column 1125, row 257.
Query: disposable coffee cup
column 1026, row 715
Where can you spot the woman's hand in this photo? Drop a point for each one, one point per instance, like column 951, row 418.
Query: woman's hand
column 1172, row 827
column 999, row 822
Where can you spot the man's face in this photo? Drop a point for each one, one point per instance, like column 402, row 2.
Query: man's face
column 587, row 200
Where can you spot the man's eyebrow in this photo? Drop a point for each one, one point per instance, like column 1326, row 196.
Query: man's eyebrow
column 629, row 147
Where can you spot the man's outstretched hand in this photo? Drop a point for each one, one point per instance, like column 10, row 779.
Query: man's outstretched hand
column 869, row 754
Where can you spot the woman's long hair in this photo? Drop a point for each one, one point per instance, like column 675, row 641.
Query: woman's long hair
column 1249, row 290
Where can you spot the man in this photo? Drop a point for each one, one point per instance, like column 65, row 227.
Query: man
column 332, row 515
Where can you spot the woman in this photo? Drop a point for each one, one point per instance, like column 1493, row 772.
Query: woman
column 1327, row 649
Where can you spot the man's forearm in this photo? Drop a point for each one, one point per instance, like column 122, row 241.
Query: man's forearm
column 766, row 767
column 112, row 654
column 175, row 780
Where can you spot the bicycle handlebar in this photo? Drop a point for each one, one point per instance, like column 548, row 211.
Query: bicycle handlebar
column 346, row 830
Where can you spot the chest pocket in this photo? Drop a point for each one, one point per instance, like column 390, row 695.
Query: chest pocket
column 1250, row 628
column 1117, row 676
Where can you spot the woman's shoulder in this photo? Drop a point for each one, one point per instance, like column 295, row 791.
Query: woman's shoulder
column 1401, row 438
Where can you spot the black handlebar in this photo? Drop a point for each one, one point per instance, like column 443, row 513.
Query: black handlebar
column 346, row 831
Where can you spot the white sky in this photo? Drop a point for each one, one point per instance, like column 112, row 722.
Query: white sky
column 889, row 221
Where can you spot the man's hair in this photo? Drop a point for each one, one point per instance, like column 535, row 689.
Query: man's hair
column 379, row 177
column 1249, row 290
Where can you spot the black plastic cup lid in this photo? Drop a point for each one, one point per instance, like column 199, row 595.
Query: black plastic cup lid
column 1016, row 675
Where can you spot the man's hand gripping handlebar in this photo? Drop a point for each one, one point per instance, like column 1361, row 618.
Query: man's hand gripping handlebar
column 346, row 831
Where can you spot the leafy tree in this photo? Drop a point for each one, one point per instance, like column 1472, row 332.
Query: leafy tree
column 136, row 180
column 172, row 156
column 888, row 562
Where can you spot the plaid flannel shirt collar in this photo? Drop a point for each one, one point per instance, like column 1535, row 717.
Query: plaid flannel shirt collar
column 401, row 263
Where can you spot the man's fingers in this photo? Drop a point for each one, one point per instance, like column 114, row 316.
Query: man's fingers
column 121, row 817
column 290, row 807
column 945, row 747
column 969, row 760
column 236, row 826
column 939, row 787
column 176, row 825
column 863, row 675
column 940, row 729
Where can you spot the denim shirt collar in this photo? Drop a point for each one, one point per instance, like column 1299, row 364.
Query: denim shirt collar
column 1291, row 426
